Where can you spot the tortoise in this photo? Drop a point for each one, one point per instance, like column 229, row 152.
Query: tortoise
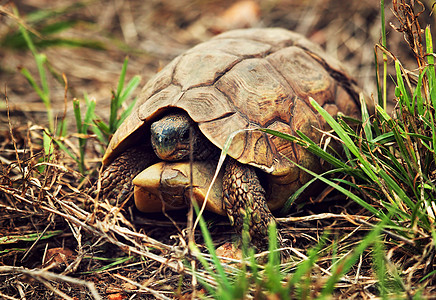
column 237, row 82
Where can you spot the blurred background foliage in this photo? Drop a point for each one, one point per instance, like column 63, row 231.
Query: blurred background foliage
column 88, row 40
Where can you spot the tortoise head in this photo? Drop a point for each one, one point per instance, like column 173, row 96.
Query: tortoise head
column 173, row 135
column 170, row 136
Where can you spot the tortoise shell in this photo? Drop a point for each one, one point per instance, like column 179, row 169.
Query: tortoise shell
column 248, row 79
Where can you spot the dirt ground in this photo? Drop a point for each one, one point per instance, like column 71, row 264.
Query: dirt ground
column 151, row 33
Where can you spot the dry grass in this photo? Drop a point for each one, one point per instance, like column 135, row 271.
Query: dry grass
column 52, row 247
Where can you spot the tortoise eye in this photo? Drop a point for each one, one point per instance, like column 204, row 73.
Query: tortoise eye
column 184, row 136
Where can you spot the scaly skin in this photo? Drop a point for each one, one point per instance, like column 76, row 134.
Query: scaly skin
column 244, row 197
column 116, row 180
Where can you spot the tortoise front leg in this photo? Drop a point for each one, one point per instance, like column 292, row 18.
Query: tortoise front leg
column 245, row 197
column 116, row 180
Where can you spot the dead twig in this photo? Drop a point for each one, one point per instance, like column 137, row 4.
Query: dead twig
column 44, row 276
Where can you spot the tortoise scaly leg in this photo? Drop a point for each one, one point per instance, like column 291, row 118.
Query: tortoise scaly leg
column 245, row 197
column 116, row 180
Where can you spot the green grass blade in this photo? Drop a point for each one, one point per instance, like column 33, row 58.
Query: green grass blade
column 431, row 83
column 384, row 138
column 379, row 264
column 346, row 192
column 365, row 118
column 47, row 144
column 122, row 78
column 404, row 96
column 417, row 99
column 272, row 268
column 307, row 143
column 395, row 189
column 92, row 120
column 32, row 82
column 102, row 126
column 113, row 114
column 287, row 206
column 30, row 237
column 126, row 113
column 41, row 15
column 130, row 87
column 399, row 136
column 57, row 27
column 77, row 115
column 117, row 262
column 346, row 264
column 81, row 129
column 219, row 274
column 305, row 267
column 120, row 96
column 197, row 253
column 394, row 167
column 377, row 79
column 101, row 131
column 385, row 58
column 89, row 115
column 430, row 60
column 26, row 35
column 68, row 151
column 366, row 167
column 41, row 59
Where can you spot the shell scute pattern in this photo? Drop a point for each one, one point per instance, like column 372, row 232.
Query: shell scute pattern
column 256, row 88
column 265, row 81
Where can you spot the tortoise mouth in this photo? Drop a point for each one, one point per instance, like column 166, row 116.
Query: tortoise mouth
column 179, row 153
